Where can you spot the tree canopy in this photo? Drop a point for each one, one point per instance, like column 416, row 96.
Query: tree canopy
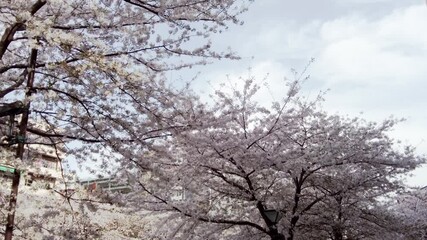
column 88, row 76
column 91, row 75
column 325, row 173
column 97, row 67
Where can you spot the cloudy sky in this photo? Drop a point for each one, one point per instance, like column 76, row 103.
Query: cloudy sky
column 371, row 54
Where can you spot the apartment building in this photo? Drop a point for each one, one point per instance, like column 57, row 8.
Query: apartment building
column 41, row 163
column 44, row 166
column 105, row 184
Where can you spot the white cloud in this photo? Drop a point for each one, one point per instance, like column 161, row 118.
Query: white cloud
column 390, row 50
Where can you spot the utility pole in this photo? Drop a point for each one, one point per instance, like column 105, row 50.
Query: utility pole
column 20, row 149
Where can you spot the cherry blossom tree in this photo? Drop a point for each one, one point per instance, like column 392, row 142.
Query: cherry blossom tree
column 356, row 206
column 411, row 209
column 94, row 69
column 88, row 76
column 91, row 74
column 324, row 173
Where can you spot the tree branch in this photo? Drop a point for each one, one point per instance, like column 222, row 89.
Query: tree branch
column 9, row 32
column 203, row 219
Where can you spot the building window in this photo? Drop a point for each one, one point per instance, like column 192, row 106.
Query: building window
column 28, row 181
column 178, row 193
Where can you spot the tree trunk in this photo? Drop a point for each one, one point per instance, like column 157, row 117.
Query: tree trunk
column 337, row 231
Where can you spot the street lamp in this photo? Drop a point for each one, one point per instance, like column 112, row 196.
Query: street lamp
column 273, row 216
